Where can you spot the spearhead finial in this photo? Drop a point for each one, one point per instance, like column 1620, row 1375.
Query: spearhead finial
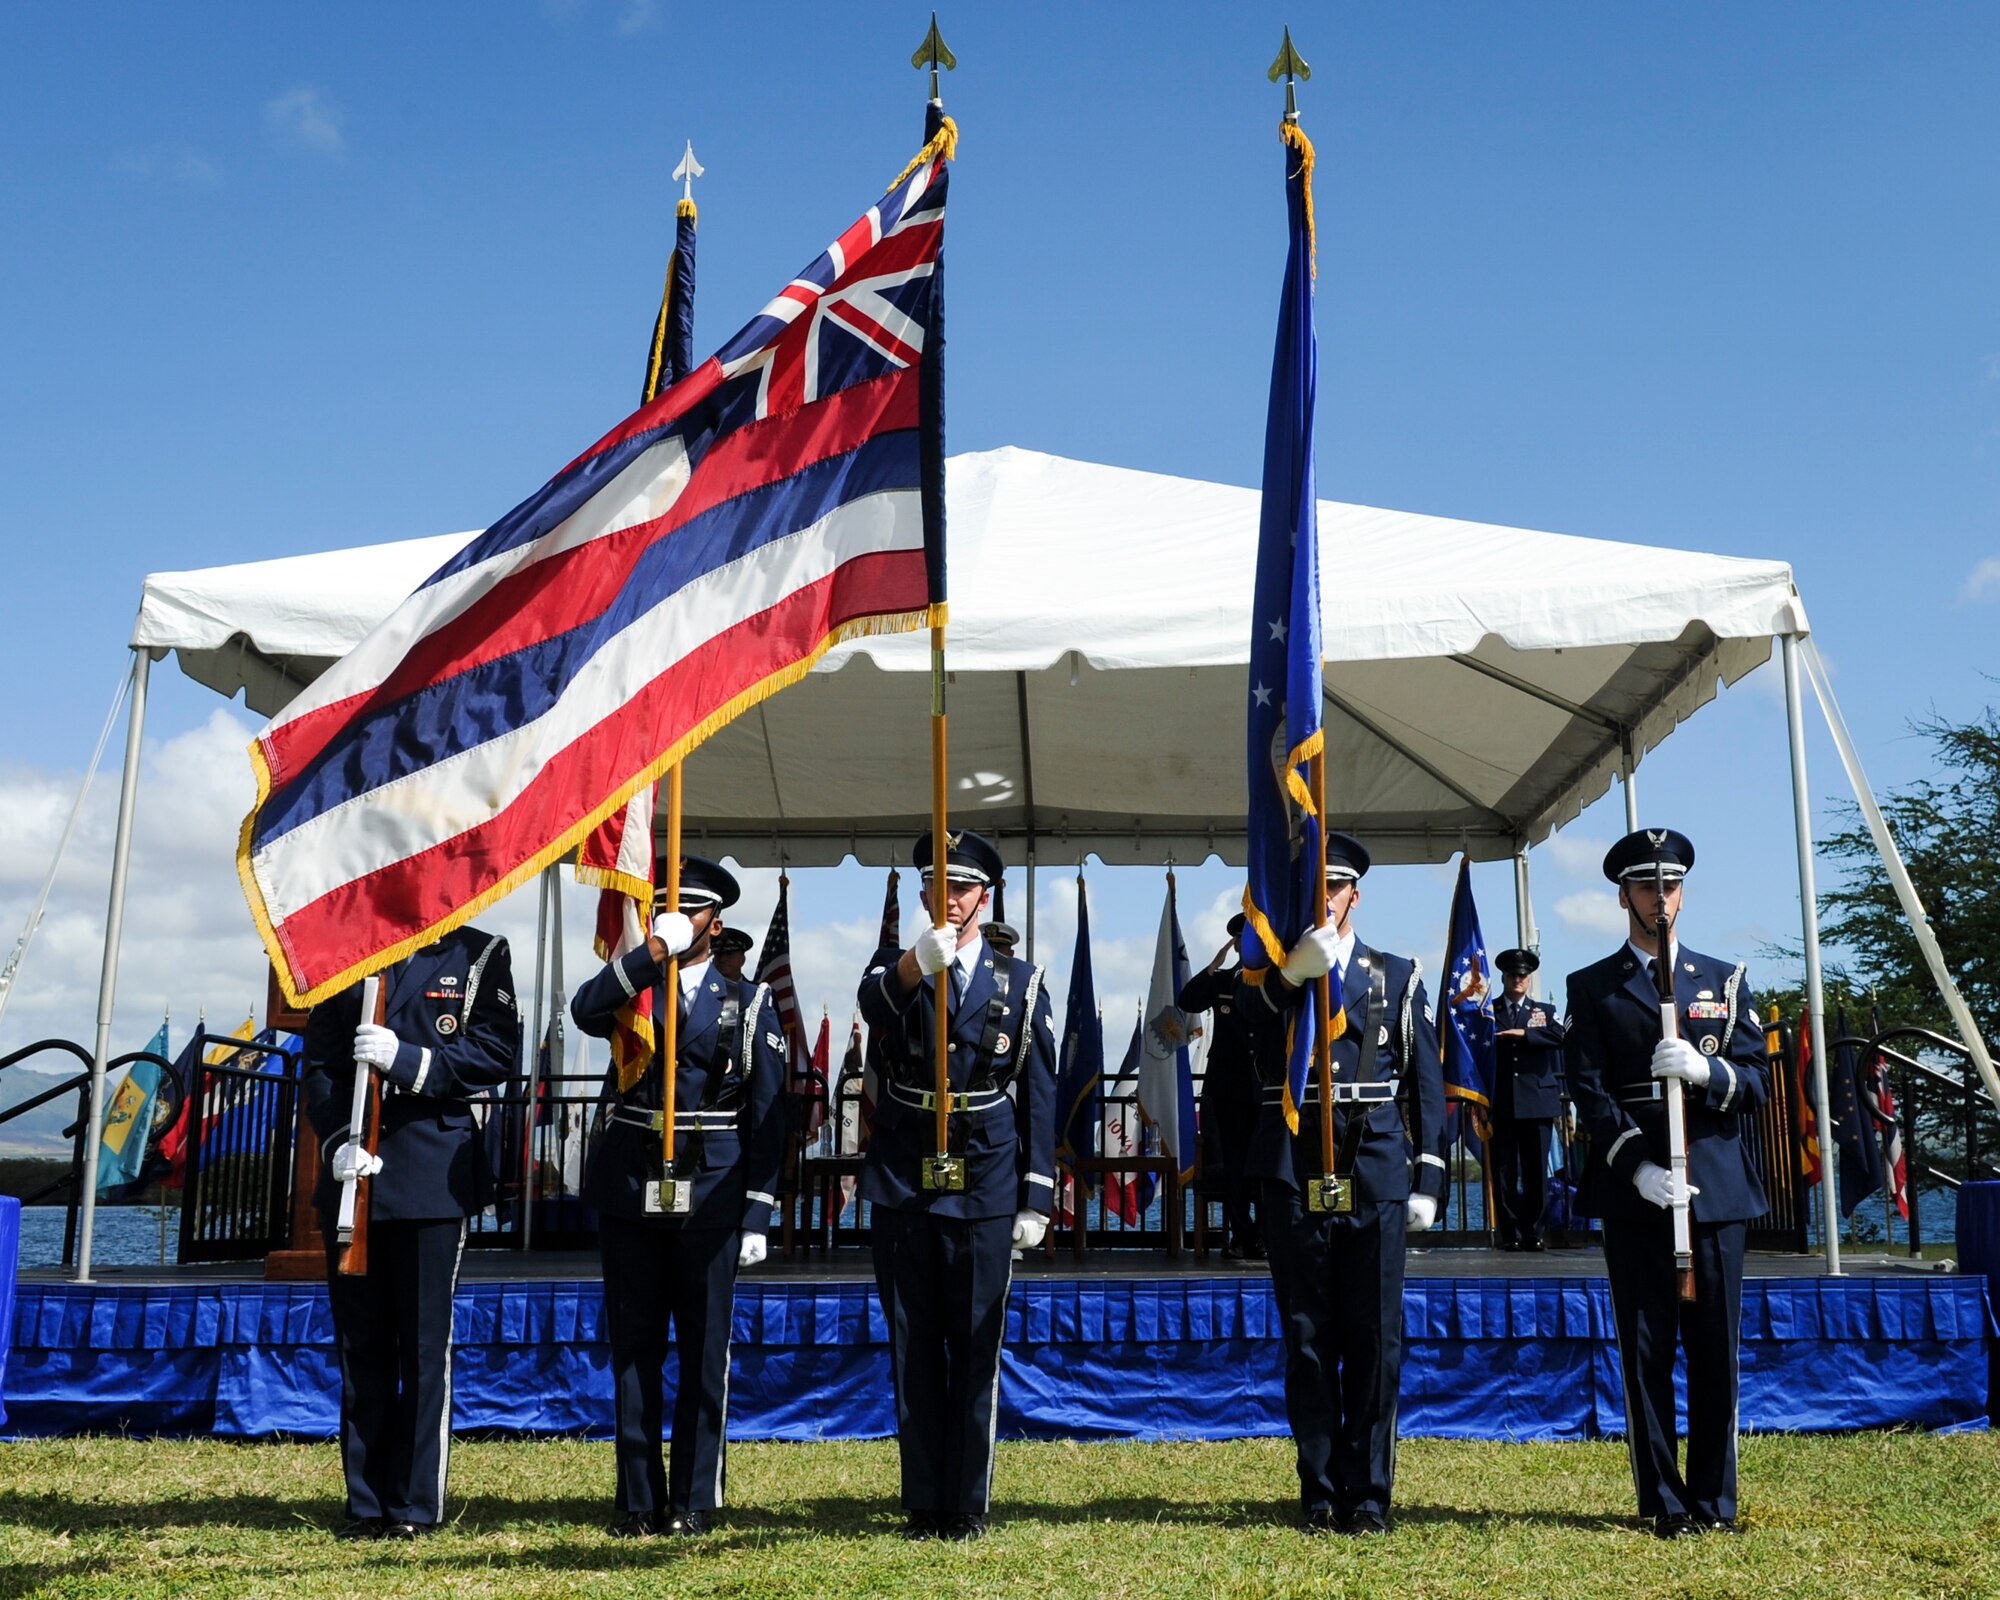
column 934, row 53
column 1293, row 66
column 688, row 171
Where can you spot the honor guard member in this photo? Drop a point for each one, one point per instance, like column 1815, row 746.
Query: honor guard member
column 1618, row 1061
column 730, row 946
column 1228, row 1092
column 1337, row 1269
column 944, row 1254
column 1527, row 1099
column 1004, row 937
column 672, row 1241
column 452, row 1033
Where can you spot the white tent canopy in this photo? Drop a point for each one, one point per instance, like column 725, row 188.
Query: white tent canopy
column 1483, row 683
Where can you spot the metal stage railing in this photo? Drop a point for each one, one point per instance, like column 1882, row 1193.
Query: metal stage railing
column 166, row 1107
column 244, row 1112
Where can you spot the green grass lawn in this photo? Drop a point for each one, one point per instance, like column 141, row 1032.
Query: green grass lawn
column 1876, row 1515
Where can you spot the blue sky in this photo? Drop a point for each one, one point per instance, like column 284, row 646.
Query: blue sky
column 290, row 278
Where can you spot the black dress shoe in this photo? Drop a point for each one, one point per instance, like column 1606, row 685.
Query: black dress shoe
column 1232, row 1251
column 1255, row 1250
column 635, row 1525
column 405, row 1530
column 359, row 1528
column 921, row 1525
column 690, row 1523
column 1535, row 1245
column 1674, row 1525
column 963, row 1529
column 1321, row 1519
column 1363, row 1523
column 1717, row 1525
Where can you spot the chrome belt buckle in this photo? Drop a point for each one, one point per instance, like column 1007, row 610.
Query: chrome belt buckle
column 1330, row 1195
column 669, row 1197
column 944, row 1174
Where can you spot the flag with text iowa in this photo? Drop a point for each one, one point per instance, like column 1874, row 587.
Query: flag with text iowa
column 786, row 494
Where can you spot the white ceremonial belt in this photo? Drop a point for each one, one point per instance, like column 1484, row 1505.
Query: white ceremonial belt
column 684, row 1121
column 971, row 1100
column 1352, row 1093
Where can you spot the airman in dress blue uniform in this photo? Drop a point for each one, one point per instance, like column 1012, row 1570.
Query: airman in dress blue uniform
column 1338, row 1276
column 672, row 1242
column 452, row 1033
column 1527, row 1099
column 1618, row 1061
column 944, row 1256
column 1229, row 1093
column 731, row 947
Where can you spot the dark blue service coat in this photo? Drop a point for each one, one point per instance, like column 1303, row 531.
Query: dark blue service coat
column 1614, row 1023
column 452, row 1007
column 1528, row 1083
column 1393, row 1161
column 996, row 1039
column 728, row 1089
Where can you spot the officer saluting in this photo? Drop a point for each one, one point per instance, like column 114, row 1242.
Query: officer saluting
column 1527, row 1099
column 944, row 1258
column 1229, row 1094
column 1617, row 1061
column 672, row 1242
column 452, row 1033
column 1338, row 1275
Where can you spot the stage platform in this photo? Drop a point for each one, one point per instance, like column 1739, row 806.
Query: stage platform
column 1130, row 1345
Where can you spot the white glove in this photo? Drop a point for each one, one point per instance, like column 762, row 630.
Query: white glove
column 1312, row 957
column 674, row 931
column 1030, row 1227
column 935, row 948
column 1676, row 1058
column 375, row 1045
column 352, row 1161
column 1422, row 1212
column 751, row 1250
column 1659, row 1187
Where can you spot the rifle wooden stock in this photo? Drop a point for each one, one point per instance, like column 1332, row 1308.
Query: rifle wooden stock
column 1677, row 1144
column 365, row 1128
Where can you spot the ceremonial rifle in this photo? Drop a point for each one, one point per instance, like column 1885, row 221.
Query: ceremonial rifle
column 364, row 1127
column 1677, row 1144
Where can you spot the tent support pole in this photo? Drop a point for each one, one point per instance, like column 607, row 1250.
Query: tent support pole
column 1625, row 766
column 1527, row 934
column 1829, row 1161
column 1028, row 933
column 107, row 981
column 535, row 1059
column 1899, row 874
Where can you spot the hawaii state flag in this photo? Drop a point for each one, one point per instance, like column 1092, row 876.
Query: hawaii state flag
column 1469, row 1050
column 787, row 494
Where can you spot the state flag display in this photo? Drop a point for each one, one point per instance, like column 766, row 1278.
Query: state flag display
column 786, row 495
column 1080, row 1072
column 774, row 967
column 1467, row 1034
column 617, row 857
column 1127, row 1194
column 1284, row 725
column 1166, row 1067
column 128, row 1121
column 1853, row 1125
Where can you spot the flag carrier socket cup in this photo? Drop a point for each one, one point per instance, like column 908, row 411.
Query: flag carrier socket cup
column 669, row 1197
column 1329, row 1194
column 944, row 1174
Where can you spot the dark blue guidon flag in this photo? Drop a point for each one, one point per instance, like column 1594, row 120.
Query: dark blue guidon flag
column 1468, row 1000
column 1284, row 721
column 1078, row 1102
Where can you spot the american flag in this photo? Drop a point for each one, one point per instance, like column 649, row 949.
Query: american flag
column 787, row 494
column 774, row 966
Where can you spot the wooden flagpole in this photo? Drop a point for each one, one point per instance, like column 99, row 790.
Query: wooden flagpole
column 1323, row 985
column 670, row 1011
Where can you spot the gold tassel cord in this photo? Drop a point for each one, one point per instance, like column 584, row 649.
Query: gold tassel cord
column 943, row 143
column 1295, row 136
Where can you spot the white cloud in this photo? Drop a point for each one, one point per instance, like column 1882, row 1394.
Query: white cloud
column 1983, row 582
column 304, row 118
column 1575, row 855
column 1591, row 911
column 636, row 16
column 182, row 166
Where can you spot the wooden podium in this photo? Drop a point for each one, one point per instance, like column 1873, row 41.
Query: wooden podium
column 305, row 1260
